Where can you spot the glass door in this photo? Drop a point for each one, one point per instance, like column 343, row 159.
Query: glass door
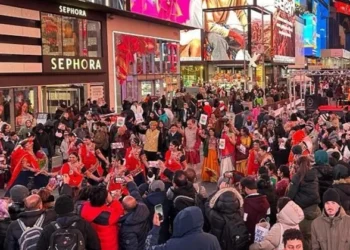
column 56, row 96
column 147, row 88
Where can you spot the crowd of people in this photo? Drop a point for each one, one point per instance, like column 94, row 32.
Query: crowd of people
column 137, row 180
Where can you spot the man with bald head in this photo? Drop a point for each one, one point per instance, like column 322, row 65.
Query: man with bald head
column 134, row 225
column 33, row 212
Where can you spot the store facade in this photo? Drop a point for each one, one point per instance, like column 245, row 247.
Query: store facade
column 51, row 54
column 143, row 60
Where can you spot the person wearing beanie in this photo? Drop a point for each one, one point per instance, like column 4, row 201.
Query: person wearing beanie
column 330, row 231
column 324, row 171
column 341, row 184
column 17, row 194
column 67, row 219
column 312, row 133
column 255, row 205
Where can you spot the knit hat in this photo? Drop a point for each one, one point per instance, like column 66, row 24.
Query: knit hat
column 157, row 185
column 64, row 205
column 331, row 195
column 18, row 193
column 340, row 172
column 297, row 150
column 324, row 118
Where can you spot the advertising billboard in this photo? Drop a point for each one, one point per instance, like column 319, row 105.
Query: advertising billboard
column 226, row 32
column 283, row 29
column 322, row 14
column 299, row 45
column 190, row 45
column 310, row 35
column 186, row 12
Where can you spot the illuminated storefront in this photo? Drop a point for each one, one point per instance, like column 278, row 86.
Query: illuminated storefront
column 58, row 57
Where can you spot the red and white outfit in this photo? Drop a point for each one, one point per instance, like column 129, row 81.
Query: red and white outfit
column 192, row 144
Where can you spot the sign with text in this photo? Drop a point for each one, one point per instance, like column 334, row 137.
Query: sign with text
column 64, row 64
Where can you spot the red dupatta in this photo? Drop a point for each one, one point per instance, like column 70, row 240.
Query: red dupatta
column 17, row 157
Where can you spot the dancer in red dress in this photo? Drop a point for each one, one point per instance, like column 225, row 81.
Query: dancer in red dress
column 136, row 161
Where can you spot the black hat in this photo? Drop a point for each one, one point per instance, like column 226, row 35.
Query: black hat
column 340, row 172
column 297, row 150
column 331, row 195
column 249, row 183
column 64, row 205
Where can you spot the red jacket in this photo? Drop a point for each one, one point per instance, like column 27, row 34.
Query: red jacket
column 105, row 222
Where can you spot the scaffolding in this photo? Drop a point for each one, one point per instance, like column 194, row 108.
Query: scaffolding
column 305, row 79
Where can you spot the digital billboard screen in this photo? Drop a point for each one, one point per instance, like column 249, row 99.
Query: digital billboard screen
column 186, row 12
column 226, row 33
column 310, row 35
column 283, row 31
column 190, row 45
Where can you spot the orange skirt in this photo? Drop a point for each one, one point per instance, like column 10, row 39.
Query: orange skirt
column 211, row 167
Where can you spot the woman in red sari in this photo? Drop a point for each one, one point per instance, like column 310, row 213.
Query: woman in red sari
column 135, row 161
column 89, row 157
column 73, row 168
column 115, row 179
column 174, row 158
column 25, row 166
column 253, row 159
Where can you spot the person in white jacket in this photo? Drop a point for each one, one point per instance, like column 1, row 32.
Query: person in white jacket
column 289, row 216
column 137, row 109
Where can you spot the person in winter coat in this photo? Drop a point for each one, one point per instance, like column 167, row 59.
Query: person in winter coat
column 182, row 194
column 304, row 191
column 255, row 206
column 324, row 171
column 154, row 196
column 330, row 231
column 34, row 210
column 64, row 207
column 265, row 188
column 134, row 225
column 341, row 184
column 289, row 216
column 43, row 140
column 103, row 217
column 187, row 233
column 225, row 206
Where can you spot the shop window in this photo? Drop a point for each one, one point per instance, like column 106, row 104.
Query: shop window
column 25, row 99
column 5, row 100
column 70, row 36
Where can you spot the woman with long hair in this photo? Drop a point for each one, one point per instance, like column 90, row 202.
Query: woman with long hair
column 175, row 158
column 304, row 191
column 26, row 168
column 211, row 168
column 136, row 161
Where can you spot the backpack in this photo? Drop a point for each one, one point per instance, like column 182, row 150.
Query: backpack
column 30, row 235
column 234, row 236
column 68, row 238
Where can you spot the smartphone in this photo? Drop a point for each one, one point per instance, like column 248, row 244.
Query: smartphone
column 159, row 210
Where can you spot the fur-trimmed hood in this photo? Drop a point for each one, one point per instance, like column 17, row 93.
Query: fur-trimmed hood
column 227, row 199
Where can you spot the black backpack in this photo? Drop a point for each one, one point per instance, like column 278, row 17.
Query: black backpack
column 234, row 236
column 68, row 238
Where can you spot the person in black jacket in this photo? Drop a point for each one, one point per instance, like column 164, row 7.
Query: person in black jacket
column 156, row 195
column 43, row 140
column 64, row 207
column 224, row 206
column 134, row 225
column 34, row 209
column 304, row 191
column 342, row 185
column 324, row 172
column 182, row 194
